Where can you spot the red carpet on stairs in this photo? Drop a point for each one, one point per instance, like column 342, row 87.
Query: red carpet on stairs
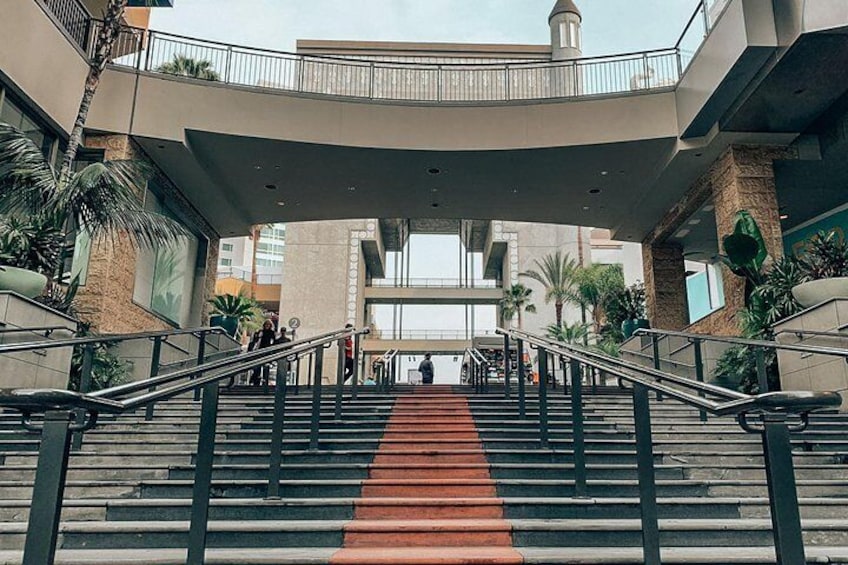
column 429, row 498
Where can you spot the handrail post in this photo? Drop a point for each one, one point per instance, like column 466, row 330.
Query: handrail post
column 229, row 63
column 84, row 388
column 203, row 476
column 354, row 384
column 655, row 348
column 783, row 491
column 315, row 421
column 543, row 397
column 48, row 490
column 371, row 81
column 297, row 376
column 276, row 458
column 762, row 373
column 699, row 371
column 150, row 40
column 647, row 478
column 522, row 396
column 507, row 360
column 340, row 370
column 485, row 376
column 155, row 358
column 578, row 441
column 706, row 18
column 201, row 358
column 266, row 379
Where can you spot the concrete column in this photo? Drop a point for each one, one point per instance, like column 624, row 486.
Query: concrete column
column 665, row 285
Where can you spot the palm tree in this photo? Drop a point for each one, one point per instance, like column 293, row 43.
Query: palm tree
column 556, row 273
column 516, row 301
column 572, row 334
column 594, row 285
column 185, row 66
column 100, row 199
column 107, row 33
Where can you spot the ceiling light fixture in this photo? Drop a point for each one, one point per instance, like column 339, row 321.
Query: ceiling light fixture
column 784, row 216
column 351, row 189
column 694, row 221
column 604, row 173
column 682, row 233
column 271, row 187
column 595, row 191
column 585, row 208
column 160, row 146
column 257, row 167
column 708, row 208
column 434, row 171
column 281, row 203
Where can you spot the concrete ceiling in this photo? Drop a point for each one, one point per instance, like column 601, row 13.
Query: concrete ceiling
column 239, row 181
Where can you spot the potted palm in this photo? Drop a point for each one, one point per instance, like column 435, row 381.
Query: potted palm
column 232, row 311
column 29, row 253
column 632, row 303
column 824, row 269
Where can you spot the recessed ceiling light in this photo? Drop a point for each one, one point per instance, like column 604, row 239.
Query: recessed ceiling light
column 435, row 204
column 708, row 208
column 784, row 216
column 699, row 154
column 694, row 221
column 257, row 167
column 682, row 233
column 351, row 189
column 800, row 91
column 271, row 187
column 160, row 146
column 434, row 171
column 595, row 191
column 276, row 167
column 585, row 208
column 604, row 173
column 515, row 191
column 281, row 203
column 629, row 237
column 434, row 190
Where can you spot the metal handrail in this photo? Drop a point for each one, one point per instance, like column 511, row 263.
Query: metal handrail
column 93, row 340
column 812, row 349
column 736, row 403
column 46, row 329
column 476, row 356
column 801, row 333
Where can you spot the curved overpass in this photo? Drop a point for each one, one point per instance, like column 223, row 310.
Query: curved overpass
column 285, row 151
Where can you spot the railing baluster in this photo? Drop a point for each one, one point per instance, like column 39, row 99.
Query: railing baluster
column 276, row 457
column 699, row 371
column 340, row 371
column 155, row 358
column 203, row 476
column 543, row 397
column 762, row 372
column 201, row 358
column 522, row 400
column 647, row 478
column 655, row 348
column 315, row 423
column 578, row 442
column 506, row 356
column 49, row 488
column 84, row 388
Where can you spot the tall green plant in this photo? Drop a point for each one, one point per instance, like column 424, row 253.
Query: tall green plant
column 238, row 306
column 745, row 252
column 556, row 272
column 185, row 66
column 825, row 257
column 595, row 288
column 572, row 334
column 516, row 301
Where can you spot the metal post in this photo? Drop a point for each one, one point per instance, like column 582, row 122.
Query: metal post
column 276, row 459
column 762, row 375
column 706, row 17
column 309, row 372
column 699, row 371
column 371, row 84
column 655, row 347
column 154, row 371
column 48, row 491
column 203, row 476
column 228, row 65
column 266, row 379
column 543, row 397
column 522, row 399
column 297, row 376
column 315, row 423
column 578, row 441
column 647, row 478
column 85, row 388
column 506, row 366
column 340, row 370
column 354, row 385
column 201, row 358
column 783, row 491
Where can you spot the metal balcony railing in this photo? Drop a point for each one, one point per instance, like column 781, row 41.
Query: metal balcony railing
column 435, row 283
column 244, row 275
column 429, row 334
column 370, row 79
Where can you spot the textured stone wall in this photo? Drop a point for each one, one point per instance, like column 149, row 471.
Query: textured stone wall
column 741, row 179
column 106, row 300
column 665, row 285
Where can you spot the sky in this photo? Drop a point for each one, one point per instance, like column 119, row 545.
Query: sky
column 609, row 26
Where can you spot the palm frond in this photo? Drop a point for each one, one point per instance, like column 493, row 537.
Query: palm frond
column 26, row 179
column 103, row 199
column 556, row 272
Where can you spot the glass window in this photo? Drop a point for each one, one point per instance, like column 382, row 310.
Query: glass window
column 227, row 247
column 563, row 35
column 573, row 35
column 14, row 114
column 165, row 277
column 226, row 262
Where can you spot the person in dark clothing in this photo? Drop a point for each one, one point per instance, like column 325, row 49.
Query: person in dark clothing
column 266, row 337
column 348, row 350
column 426, row 370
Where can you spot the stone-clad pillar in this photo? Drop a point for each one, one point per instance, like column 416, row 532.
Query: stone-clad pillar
column 665, row 285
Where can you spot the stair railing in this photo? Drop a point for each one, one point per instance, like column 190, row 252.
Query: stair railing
column 759, row 347
column 61, row 409
column 768, row 415
column 479, row 370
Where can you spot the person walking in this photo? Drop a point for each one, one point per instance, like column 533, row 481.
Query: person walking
column 266, row 337
column 426, row 370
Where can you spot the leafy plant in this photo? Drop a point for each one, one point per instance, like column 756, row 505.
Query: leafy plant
column 745, row 251
column 572, row 334
column 556, row 272
column 737, row 367
column 516, row 301
column 632, row 302
column 826, row 257
column 608, row 347
column 61, row 298
column 595, row 289
column 238, row 306
column 34, row 243
column 185, row 66
column 107, row 369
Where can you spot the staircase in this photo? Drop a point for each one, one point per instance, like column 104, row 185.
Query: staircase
column 426, row 475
